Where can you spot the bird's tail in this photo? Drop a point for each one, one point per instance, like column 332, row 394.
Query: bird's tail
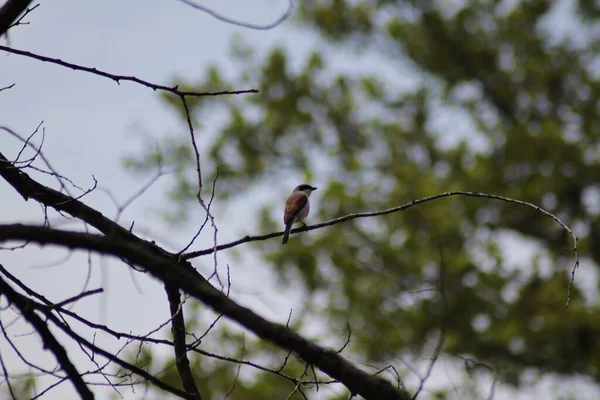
column 286, row 235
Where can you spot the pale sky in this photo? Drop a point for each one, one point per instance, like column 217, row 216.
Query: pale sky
column 91, row 123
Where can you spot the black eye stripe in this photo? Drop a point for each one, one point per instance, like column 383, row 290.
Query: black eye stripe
column 305, row 187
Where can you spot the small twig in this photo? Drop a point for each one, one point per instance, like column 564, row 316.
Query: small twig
column 399, row 383
column 442, row 288
column 206, row 218
column 38, row 149
column 7, row 87
column 469, row 363
column 78, row 297
column 18, row 22
column 347, row 339
column 239, row 367
column 220, row 17
column 7, row 379
column 188, row 119
column 297, row 387
column 26, row 143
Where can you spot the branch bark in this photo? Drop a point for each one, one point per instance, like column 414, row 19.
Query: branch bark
column 178, row 329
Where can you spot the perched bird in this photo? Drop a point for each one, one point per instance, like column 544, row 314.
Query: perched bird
column 297, row 208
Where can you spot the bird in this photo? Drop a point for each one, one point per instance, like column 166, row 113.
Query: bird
column 297, row 208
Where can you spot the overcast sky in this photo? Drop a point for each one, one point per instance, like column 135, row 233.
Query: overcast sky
column 91, row 123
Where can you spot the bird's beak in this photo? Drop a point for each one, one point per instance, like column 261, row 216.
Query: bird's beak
column 313, row 188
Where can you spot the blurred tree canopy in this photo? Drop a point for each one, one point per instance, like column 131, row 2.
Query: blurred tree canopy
column 400, row 100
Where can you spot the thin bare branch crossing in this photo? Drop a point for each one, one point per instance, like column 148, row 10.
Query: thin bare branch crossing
column 247, row 239
column 118, row 78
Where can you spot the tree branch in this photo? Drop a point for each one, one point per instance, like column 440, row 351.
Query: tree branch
column 243, row 24
column 10, row 12
column 25, row 307
column 181, row 274
column 118, row 78
column 247, row 239
column 179, row 346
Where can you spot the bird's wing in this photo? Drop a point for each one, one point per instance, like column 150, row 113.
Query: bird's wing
column 293, row 205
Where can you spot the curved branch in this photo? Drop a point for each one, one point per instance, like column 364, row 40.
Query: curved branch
column 118, row 78
column 247, row 239
column 10, row 12
column 181, row 274
column 25, row 307
column 232, row 21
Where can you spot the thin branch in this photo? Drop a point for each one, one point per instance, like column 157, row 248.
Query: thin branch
column 247, row 239
column 243, row 24
column 7, row 379
column 30, row 364
column 38, row 152
column 200, row 186
column 7, row 87
column 28, row 188
column 206, row 218
column 188, row 119
column 297, row 387
column 24, row 305
column 78, row 297
column 470, row 363
column 445, row 319
column 239, row 367
column 110, row 355
column 118, row 78
column 189, row 347
column 144, row 338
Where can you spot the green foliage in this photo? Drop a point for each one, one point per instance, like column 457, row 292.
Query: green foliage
column 504, row 106
column 23, row 387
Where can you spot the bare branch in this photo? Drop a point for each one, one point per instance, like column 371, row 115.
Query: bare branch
column 118, row 78
column 232, row 21
column 10, row 12
column 18, row 22
column 239, row 367
column 109, row 355
column 142, row 338
column 470, row 363
column 206, row 208
column 78, row 297
column 7, row 87
column 174, row 271
column 24, row 305
column 7, row 379
column 206, row 218
column 28, row 188
column 179, row 345
column 403, row 207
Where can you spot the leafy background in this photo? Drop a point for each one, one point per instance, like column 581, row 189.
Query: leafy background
column 401, row 100
column 389, row 101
